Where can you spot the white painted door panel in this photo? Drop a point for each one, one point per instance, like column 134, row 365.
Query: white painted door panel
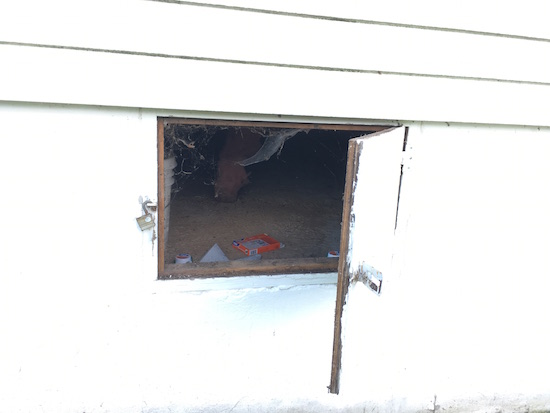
column 370, row 346
column 375, row 200
column 367, row 243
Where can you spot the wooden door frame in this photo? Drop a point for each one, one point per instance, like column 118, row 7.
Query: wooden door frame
column 195, row 270
column 343, row 264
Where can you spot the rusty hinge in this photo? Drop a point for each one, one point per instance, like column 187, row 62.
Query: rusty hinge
column 369, row 276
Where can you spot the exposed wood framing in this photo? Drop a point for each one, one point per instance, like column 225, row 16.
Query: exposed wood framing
column 240, row 267
column 160, row 214
column 282, row 125
column 280, row 266
column 354, row 151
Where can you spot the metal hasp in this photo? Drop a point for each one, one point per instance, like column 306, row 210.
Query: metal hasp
column 369, row 276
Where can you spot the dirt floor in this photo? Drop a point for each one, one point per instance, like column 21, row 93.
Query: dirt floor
column 296, row 201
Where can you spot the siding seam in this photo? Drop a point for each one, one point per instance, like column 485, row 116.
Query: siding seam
column 270, row 64
column 350, row 20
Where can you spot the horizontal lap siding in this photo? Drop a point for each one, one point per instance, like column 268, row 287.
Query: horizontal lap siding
column 184, row 57
column 525, row 18
column 138, row 81
column 206, row 32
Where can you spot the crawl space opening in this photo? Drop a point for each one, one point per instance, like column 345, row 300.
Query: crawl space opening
column 290, row 188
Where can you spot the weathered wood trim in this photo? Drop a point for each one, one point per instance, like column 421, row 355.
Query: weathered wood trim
column 160, row 214
column 354, row 150
column 285, row 125
column 243, row 267
column 239, row 268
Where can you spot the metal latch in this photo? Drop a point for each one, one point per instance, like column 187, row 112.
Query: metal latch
column 369, row 276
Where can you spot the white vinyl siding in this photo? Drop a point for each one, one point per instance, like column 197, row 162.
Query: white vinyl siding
column 526, row 18
column 183, row 56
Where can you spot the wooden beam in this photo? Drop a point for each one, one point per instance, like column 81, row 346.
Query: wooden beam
column 282, row 125
column 160, row 212
column 237, row 268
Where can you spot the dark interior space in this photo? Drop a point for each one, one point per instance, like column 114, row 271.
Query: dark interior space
column 294, row 197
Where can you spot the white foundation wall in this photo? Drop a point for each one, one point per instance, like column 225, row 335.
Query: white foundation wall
column 463, row 320
column 84, row 324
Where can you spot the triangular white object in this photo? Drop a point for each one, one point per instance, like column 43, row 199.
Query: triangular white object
column 214, row 254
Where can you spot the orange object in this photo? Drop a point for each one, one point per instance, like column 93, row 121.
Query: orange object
column 257, row 244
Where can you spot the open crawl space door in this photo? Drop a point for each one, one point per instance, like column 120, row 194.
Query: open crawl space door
column 371, row 201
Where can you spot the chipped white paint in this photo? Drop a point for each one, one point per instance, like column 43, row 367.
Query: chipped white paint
column 85, row 325
column 82, row 313
column 376, row 191
column 463, row 314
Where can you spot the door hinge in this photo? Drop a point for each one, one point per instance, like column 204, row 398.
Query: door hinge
column 369, row 276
